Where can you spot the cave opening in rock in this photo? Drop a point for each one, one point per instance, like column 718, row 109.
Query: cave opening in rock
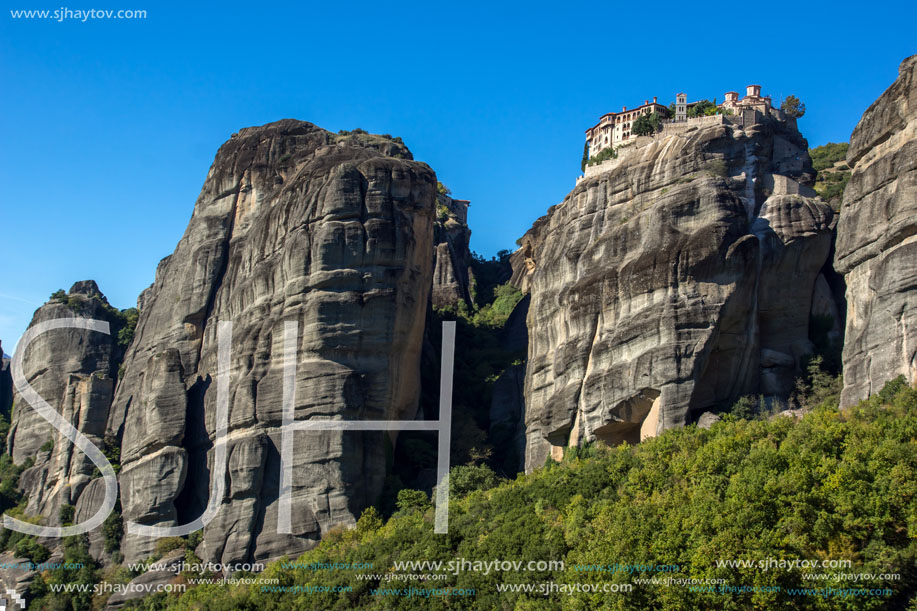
column 632, row 420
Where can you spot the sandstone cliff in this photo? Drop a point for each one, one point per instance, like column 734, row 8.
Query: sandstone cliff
column 74, row 370
column 6, row 385
column 675, row 282
column 877, row 242
column 293, row 224
column 451, row 254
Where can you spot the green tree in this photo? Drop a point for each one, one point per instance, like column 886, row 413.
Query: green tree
column 409, row 500
column 793, row 106
column 702, row 108
column 582, row 166
column 647, row 125
column 468, row 478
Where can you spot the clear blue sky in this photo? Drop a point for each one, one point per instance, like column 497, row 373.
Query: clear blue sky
column 109, row 126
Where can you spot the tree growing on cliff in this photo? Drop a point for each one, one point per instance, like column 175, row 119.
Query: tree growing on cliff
column 582, row 166
column 646, row 125
column 793, row 106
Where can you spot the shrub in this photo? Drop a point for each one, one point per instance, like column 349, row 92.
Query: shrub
column 468, row 478
column 818, row 387
column 609, row 153
column 410, row 500
column 748, row 407
column 717, row 168
column 495, row 314
column 826, row 155
column 113, row 531
column 892, row 389
column 29, row 547
column 10, row 496
column 169, row 544
column 66, row 514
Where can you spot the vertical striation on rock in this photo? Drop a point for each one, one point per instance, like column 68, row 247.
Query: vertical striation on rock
column 675, row 282
column 877, row 242
column 74, row 371
column 451, row 254
column 293, row 224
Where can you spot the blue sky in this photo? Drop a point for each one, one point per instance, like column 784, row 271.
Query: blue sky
column 109, row 126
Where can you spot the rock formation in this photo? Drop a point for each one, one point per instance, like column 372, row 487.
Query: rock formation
column 333, row 232
column 6, row 385
column 671, row 283
column 74, row 371
column 877, row 242
column 451, row 254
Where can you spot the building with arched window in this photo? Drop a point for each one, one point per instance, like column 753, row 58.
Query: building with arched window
column 614, row 128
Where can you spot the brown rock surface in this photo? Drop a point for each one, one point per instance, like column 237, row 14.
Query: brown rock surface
column 877, row 242
column 293, row 224
column 657, row 285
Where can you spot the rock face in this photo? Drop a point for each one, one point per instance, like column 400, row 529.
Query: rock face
column 15, row 575
column 673, row 283
column 877, row 242
column 6, row 385
column 74, row 371
column 451, row 254
column 293, row 224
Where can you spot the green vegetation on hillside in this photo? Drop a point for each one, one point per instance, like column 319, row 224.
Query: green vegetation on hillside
column 833, row 173
column 832, row 486
column 826, row 155
column 481, row 356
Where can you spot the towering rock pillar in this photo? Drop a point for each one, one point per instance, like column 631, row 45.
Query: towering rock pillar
column 73, row 370
column 877, row 242
column 674, row 282
column 293, row 224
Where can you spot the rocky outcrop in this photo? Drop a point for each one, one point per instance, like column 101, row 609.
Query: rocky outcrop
column 164, row 571
column 293, row 224
column 451, row 254
column 16, row 575
column 74, row 371
column 670, row 284
column 6, row 385
column 877, row 242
